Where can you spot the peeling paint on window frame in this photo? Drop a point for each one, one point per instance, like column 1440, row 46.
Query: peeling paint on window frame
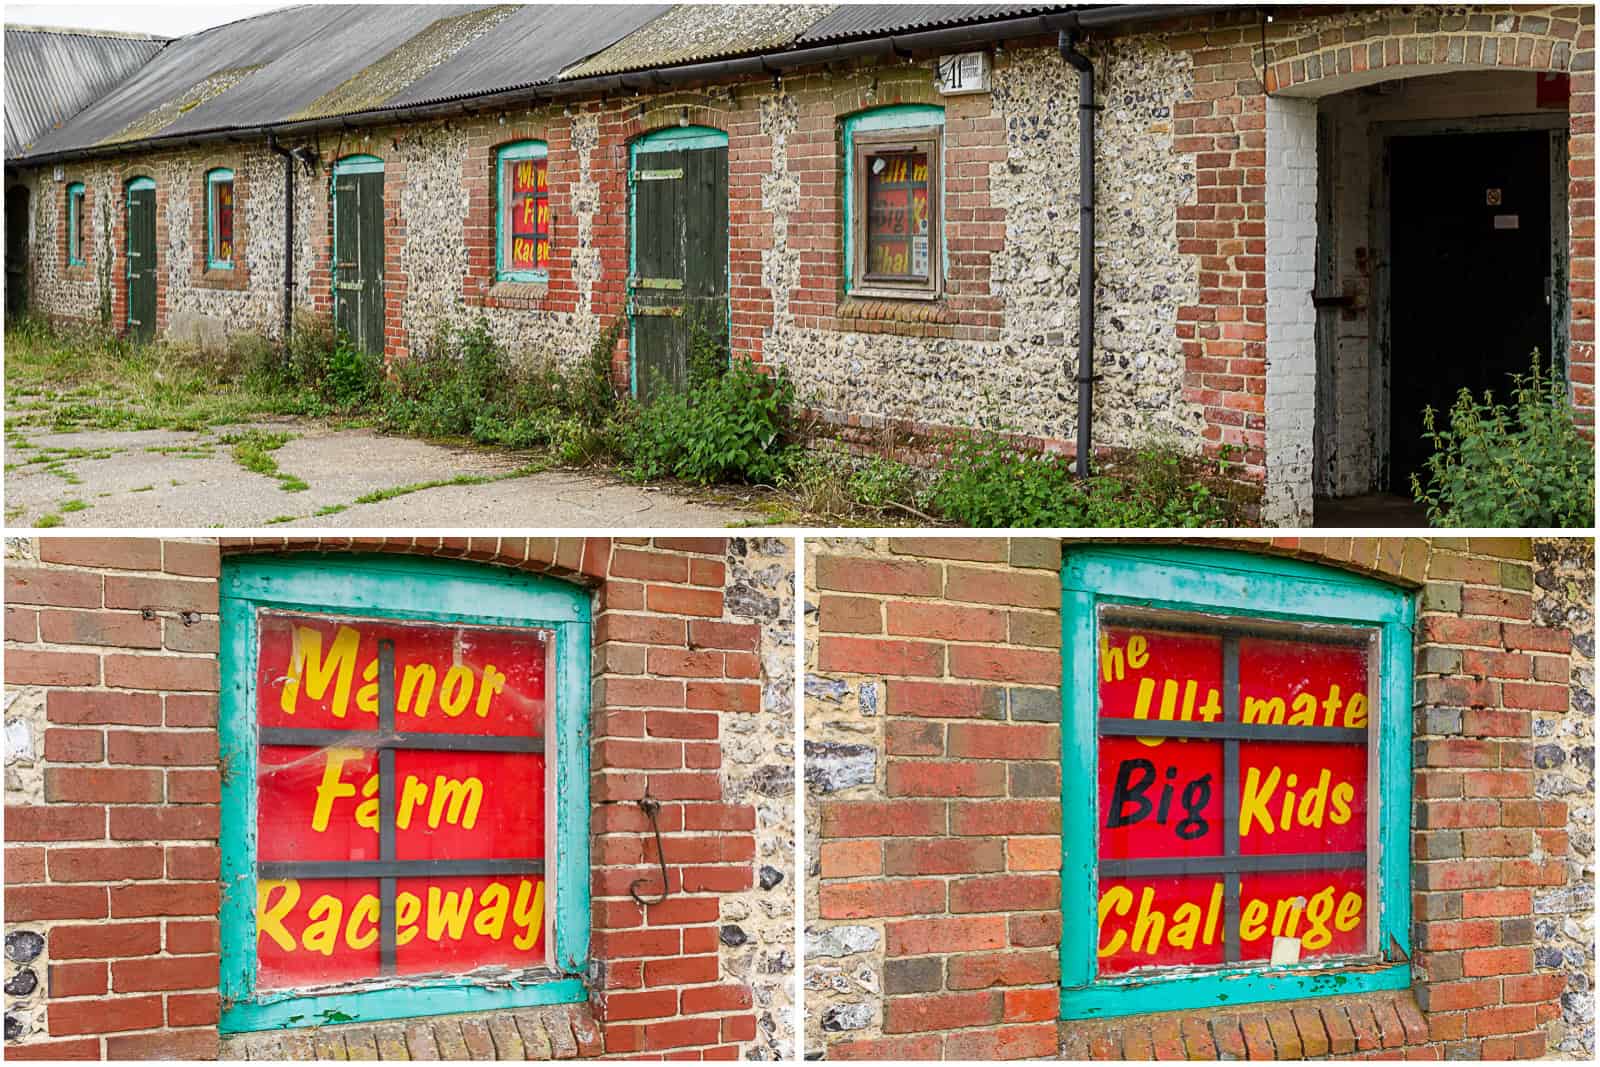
column 1237, row 585
column 426, row 590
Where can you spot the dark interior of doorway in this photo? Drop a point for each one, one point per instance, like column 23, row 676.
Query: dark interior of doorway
column 16, row 250
column 1469, row 263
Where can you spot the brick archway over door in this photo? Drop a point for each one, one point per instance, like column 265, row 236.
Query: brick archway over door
column 1256, row 277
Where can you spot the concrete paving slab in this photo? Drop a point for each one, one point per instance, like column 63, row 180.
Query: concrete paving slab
column 169, row 478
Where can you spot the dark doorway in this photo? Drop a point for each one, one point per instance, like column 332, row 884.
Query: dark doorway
column 1470, row 252
column 16, row 251
column 142, row 263
column 678, row 298
column 358, row 302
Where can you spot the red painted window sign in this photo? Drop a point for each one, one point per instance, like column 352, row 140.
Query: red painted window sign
column 527, row 206
column 1235, row 830
column 401, row 826
column 223, row 191
column 897, row 213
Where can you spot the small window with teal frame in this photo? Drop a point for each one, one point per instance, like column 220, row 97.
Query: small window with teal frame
column 219, row 219
column 522, row 213
column 894, row 197
column 405, row 805
column 75, row 196
column 1236, row 780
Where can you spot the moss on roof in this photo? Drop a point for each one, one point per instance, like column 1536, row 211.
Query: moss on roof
column 376, row 84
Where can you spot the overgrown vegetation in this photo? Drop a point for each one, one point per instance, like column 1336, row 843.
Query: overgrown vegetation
column 990, row 482
column 732, row 423
column 1522, row 464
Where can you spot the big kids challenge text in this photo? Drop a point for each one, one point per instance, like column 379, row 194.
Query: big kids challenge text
column 1187, row 824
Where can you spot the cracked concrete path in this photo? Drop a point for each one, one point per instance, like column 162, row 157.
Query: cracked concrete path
column 171, row 478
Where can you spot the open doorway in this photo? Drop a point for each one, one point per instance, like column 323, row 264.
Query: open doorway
column 16, row 251
column 1469, row 274
column 1440, row 265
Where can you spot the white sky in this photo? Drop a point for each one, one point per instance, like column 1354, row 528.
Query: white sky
column 163, row 20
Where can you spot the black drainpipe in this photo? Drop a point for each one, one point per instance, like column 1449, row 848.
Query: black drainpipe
column 288, row 239
column 1067, row 43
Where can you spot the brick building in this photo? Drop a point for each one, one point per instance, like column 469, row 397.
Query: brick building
column 886, row 201
column 147, row 807
column 960, row 852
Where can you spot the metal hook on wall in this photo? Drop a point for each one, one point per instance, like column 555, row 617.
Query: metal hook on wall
column 652, row 808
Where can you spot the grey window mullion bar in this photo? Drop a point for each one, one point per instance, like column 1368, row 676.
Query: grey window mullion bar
column 386, row 809
column 1229, row 730
column 391, row 869
column 1231, row 890
column 381, row 739
column 1233, row 865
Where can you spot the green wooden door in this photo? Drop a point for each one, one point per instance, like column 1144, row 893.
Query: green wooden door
column 678, row 296
column 358, row 254
column 142, row 261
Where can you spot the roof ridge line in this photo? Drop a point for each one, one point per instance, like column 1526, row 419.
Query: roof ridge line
column 84, row 31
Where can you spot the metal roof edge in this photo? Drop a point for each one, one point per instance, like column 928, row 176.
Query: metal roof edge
column 1103, row 16
column 83, row 31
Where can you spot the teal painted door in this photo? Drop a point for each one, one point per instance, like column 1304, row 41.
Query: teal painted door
column 358, row 258
column 142, row 263
column 679, row 288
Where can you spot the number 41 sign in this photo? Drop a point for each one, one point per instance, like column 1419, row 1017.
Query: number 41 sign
column 967, row 72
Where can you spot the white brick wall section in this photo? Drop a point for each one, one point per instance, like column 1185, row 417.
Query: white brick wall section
column 1291, row 318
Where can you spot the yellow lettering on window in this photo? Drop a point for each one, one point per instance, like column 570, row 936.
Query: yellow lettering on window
column 528, row 913
column 447, row 792
column 271, row 913
column 309, row 668
column 333, row 786
column 447, row 913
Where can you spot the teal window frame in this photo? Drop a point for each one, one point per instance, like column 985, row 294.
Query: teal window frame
column 504, row 157
column 1244, row 586
column 75, row 199
column 891, row 118
column 417, row 589
column 215, row 177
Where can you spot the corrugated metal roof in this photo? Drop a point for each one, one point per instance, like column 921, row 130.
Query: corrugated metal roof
column 319, row 61
column 691, row 32
column 52, row 74
column 532, row 47
column 867, row 20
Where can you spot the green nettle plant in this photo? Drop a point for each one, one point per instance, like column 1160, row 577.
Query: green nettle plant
column 1522, row 464
column 736, row 426
column 990, row 482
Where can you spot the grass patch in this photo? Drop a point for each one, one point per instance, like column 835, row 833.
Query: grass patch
column 74, row 505
column 253, row 450
column 46, row 521
column 65, row 379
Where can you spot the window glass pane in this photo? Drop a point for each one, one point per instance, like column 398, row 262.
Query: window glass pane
column 319, row 800
column 527, row 219
column 1236, row 831
column 316, row 931
column 222, row 221
column 75, row 225
column 898, row 228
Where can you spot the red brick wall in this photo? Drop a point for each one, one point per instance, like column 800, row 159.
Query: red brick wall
column 118, row 864
column 951, row 852
column 1224, row 128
